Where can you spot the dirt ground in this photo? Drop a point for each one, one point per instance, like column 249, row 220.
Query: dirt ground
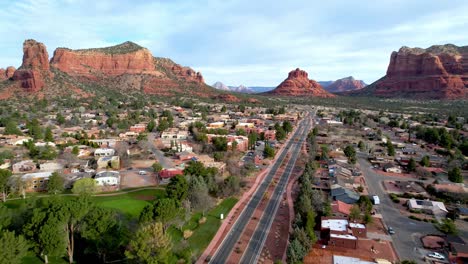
column 131, row 179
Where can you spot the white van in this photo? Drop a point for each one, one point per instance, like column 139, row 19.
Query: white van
column 142, row 172
column 376, row 199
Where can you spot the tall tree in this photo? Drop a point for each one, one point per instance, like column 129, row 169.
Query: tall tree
column 150, row 244
column 4, row 178
column 411, row 165
column 166, row 211
column 85, row 186
column 177, row 188
column 199, row 197
column 455, row 175
column 55, row 184
column 13, row 248
column 48, row 136
column 425, row 161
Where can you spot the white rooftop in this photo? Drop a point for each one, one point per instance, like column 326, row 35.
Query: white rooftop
column 335, row 224
column 356, row 225
column 36, row 175
column 349, row 260
column 351, row 237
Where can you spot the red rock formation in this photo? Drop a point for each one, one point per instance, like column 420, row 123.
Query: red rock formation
column 2, row 74
column 126, row 58
column 298, row 84
column 344, row 85
column 439, row 72
column 35, row 67
column 10, row 71
column 228, row 98
column 187, row 74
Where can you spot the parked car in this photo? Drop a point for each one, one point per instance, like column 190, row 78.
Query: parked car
column 142, row 172
column 436, row 255
column 390, row 230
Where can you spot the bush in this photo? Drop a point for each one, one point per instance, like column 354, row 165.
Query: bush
column 202, row 220
column 414, row 218
column 188, row 233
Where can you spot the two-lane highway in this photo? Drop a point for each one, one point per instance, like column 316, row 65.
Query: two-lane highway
column 225, row 249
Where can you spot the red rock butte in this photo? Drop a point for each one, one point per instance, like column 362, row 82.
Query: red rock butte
column 439, row 72
column 124, row 66
column 345, row 84
column 298, row 84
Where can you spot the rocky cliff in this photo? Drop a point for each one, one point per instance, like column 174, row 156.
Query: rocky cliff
column 124, row 67
column 35, row 68
column 438, row 72
column 344, row 85
column 298, row 84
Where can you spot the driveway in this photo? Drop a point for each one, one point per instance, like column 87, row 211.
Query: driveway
column 406, row 239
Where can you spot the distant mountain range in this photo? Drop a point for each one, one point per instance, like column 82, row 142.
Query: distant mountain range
column 341, row 85
column 241, row 88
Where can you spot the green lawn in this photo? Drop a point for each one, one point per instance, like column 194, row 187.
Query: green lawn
column 202, row 234
column 129, row 204
column 33, row 259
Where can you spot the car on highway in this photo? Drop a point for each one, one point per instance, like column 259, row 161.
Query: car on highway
column 436, row 255
column 142, row 172
column 390, row 230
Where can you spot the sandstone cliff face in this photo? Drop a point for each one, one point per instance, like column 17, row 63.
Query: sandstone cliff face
column 344, row 85
column 109, row 62
column 298, row 84
column 439, row 72
column 35, row 67
column 7, row 74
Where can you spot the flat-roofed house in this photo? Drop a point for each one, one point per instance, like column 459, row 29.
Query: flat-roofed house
column 104, row 152
column 36, row 181
column 107, row 178
column 428, row 207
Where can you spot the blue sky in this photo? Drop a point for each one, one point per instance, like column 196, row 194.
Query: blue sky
column 241, row 42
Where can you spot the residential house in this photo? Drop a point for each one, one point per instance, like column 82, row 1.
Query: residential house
column 109, row 142
column 462, row 213
column 19, row 141
column 215, row 125
column 391, row 168
column 104, row 152
column 109, row 162
column 24, row 166
column 339, row 232
column 138, row 128
column 107, row 178
column 340, row 209
column 166, row 174
column 428, row 207
column 50, row 166
column 36, row 182
column 174, row 134
column 345, row 195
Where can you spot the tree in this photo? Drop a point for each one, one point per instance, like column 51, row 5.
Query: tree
column 310, row 225
column 354, row 212
column 177, row 188
column 199, row 197
column 85, row 186
column 151, row 125
column 165, row 211
column 55, row 184
column 11, row 128
column 157, row 167
column 295, row 252
column 150, row 244
column 367, row 218
column 411, row 165
column 48, row 136
column 14, row 248
column 287, row 127
column 75, row 150
column 361, row 145
column 447, row 226
column 60, row 119
column 350, row 152
column 253, row 136
column 390, row 148
column 425, row 161
column 103, row 232
column 455, row 175
column 280, row 133
column 4, row 178
column 220, row 143
column 269, row 151
column 163, row 125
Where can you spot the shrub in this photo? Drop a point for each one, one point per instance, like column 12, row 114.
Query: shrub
column 202, row 220
column 188, row 233
column 414, row 218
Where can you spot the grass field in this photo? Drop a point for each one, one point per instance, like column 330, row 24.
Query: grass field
column 202, row 234
column 130, row 204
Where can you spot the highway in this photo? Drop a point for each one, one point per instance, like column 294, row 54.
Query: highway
column 224, row 250
column 257, row 241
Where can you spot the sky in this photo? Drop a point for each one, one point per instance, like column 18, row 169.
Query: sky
column 255, row 43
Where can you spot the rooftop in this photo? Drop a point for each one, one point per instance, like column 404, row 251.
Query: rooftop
column 335, row 224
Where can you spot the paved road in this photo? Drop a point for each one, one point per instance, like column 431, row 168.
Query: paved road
column 224, row 250
column 254, row 248
column 165, row 162
column 407, row 231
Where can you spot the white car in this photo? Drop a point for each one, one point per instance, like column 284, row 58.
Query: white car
column 142, row 172
column 436, row 255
